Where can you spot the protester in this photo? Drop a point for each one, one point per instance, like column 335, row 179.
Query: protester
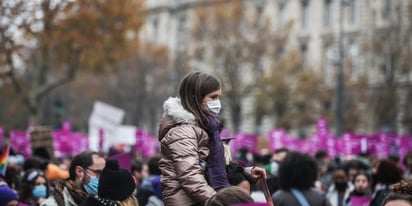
column 193, row 164
column 8, row 197
column 273, row 168
column 150, row 191
column 339, row 191
column 140, row 171
column 297, row 176
column 400, row 195
column 362, row 183
column 229, row 196
column 116, row 187
column 407, row 162
column 85, row 170
column 325, row 170
column 35, row 188
column 387, row 174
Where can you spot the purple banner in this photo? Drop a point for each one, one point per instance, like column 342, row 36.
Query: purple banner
column 276, row 139
column 146, row 143
column 20, row 141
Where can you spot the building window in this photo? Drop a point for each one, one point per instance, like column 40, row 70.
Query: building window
column 282, row 14
column 304, row 55
column 353, row 51
column 353, row 11
column 328, row 13
column 155, row 24
column 181, row 28
column 329, row 59
column 387, row 8
column 305, row 13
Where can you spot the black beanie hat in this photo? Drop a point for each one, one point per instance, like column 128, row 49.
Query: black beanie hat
column 115, row 183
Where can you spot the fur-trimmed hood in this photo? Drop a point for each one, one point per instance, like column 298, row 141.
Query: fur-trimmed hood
column 174, row 114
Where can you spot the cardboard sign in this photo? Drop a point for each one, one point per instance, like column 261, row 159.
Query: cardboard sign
column 42, row 137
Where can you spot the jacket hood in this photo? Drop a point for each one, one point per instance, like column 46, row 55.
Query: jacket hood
column 174, row 114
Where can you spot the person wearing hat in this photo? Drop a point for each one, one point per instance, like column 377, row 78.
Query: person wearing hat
column 8, row 197
column 116, row 187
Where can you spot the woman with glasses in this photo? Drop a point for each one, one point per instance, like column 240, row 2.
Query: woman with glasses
column 34, row 187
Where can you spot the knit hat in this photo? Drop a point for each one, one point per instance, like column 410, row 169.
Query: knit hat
column 7, row 194
column 115, row 183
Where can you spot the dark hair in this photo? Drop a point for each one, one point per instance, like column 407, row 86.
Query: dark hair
column 364, row 173
column 84, row 160
column 193, row 88
column 236, row 174
column 27, row 184
column 407, row 157
column 321, row 154
column 400, row 191
column 153, row 165
column 388, row 172
column 280, row 150
column 229, row 196
column 35, row 163
column 298, row 171
column 136, row 166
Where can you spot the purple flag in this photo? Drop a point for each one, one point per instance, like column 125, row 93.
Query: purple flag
column 1, row 134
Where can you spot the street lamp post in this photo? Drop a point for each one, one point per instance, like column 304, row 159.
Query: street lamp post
column 340, row 86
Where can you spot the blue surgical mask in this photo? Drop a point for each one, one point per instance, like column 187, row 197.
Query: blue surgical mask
column 39, row 191
column 91, row 187
column 214, row 106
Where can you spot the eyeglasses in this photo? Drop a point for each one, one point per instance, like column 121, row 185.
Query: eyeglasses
column 97, row 172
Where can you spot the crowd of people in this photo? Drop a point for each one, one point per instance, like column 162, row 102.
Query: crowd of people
column 195, row 167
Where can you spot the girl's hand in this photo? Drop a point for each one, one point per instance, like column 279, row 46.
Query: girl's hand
column 258, row 172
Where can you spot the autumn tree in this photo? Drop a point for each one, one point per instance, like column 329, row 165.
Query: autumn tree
column 48, row 42
column 391, row 50
column 231, row 40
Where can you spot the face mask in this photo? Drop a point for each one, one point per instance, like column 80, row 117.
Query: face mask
column 39, row 191
column 214, row 106
column 91, row 187
column 341, row 186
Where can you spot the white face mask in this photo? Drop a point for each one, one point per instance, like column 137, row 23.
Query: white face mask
column 214, row 106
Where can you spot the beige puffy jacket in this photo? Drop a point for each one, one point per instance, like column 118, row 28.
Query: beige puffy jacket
column 184, row 148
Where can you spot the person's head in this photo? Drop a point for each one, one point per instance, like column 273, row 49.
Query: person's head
column 407, row 161
column 34, row 185
column 237, row 176
column 140, row 170
column 280, row 154
column 340, row 179
column 298, row 171
column 85, row 170
column 8, row 197
column 154, row 166
column 322, row 161
column 362, row 181
column 400, row 195
column 387, row 172
column 116, row 183
column 229, row 196
column 200, row 93
column 34, row 163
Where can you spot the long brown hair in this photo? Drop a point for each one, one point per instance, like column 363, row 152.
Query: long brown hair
column 193, row 88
